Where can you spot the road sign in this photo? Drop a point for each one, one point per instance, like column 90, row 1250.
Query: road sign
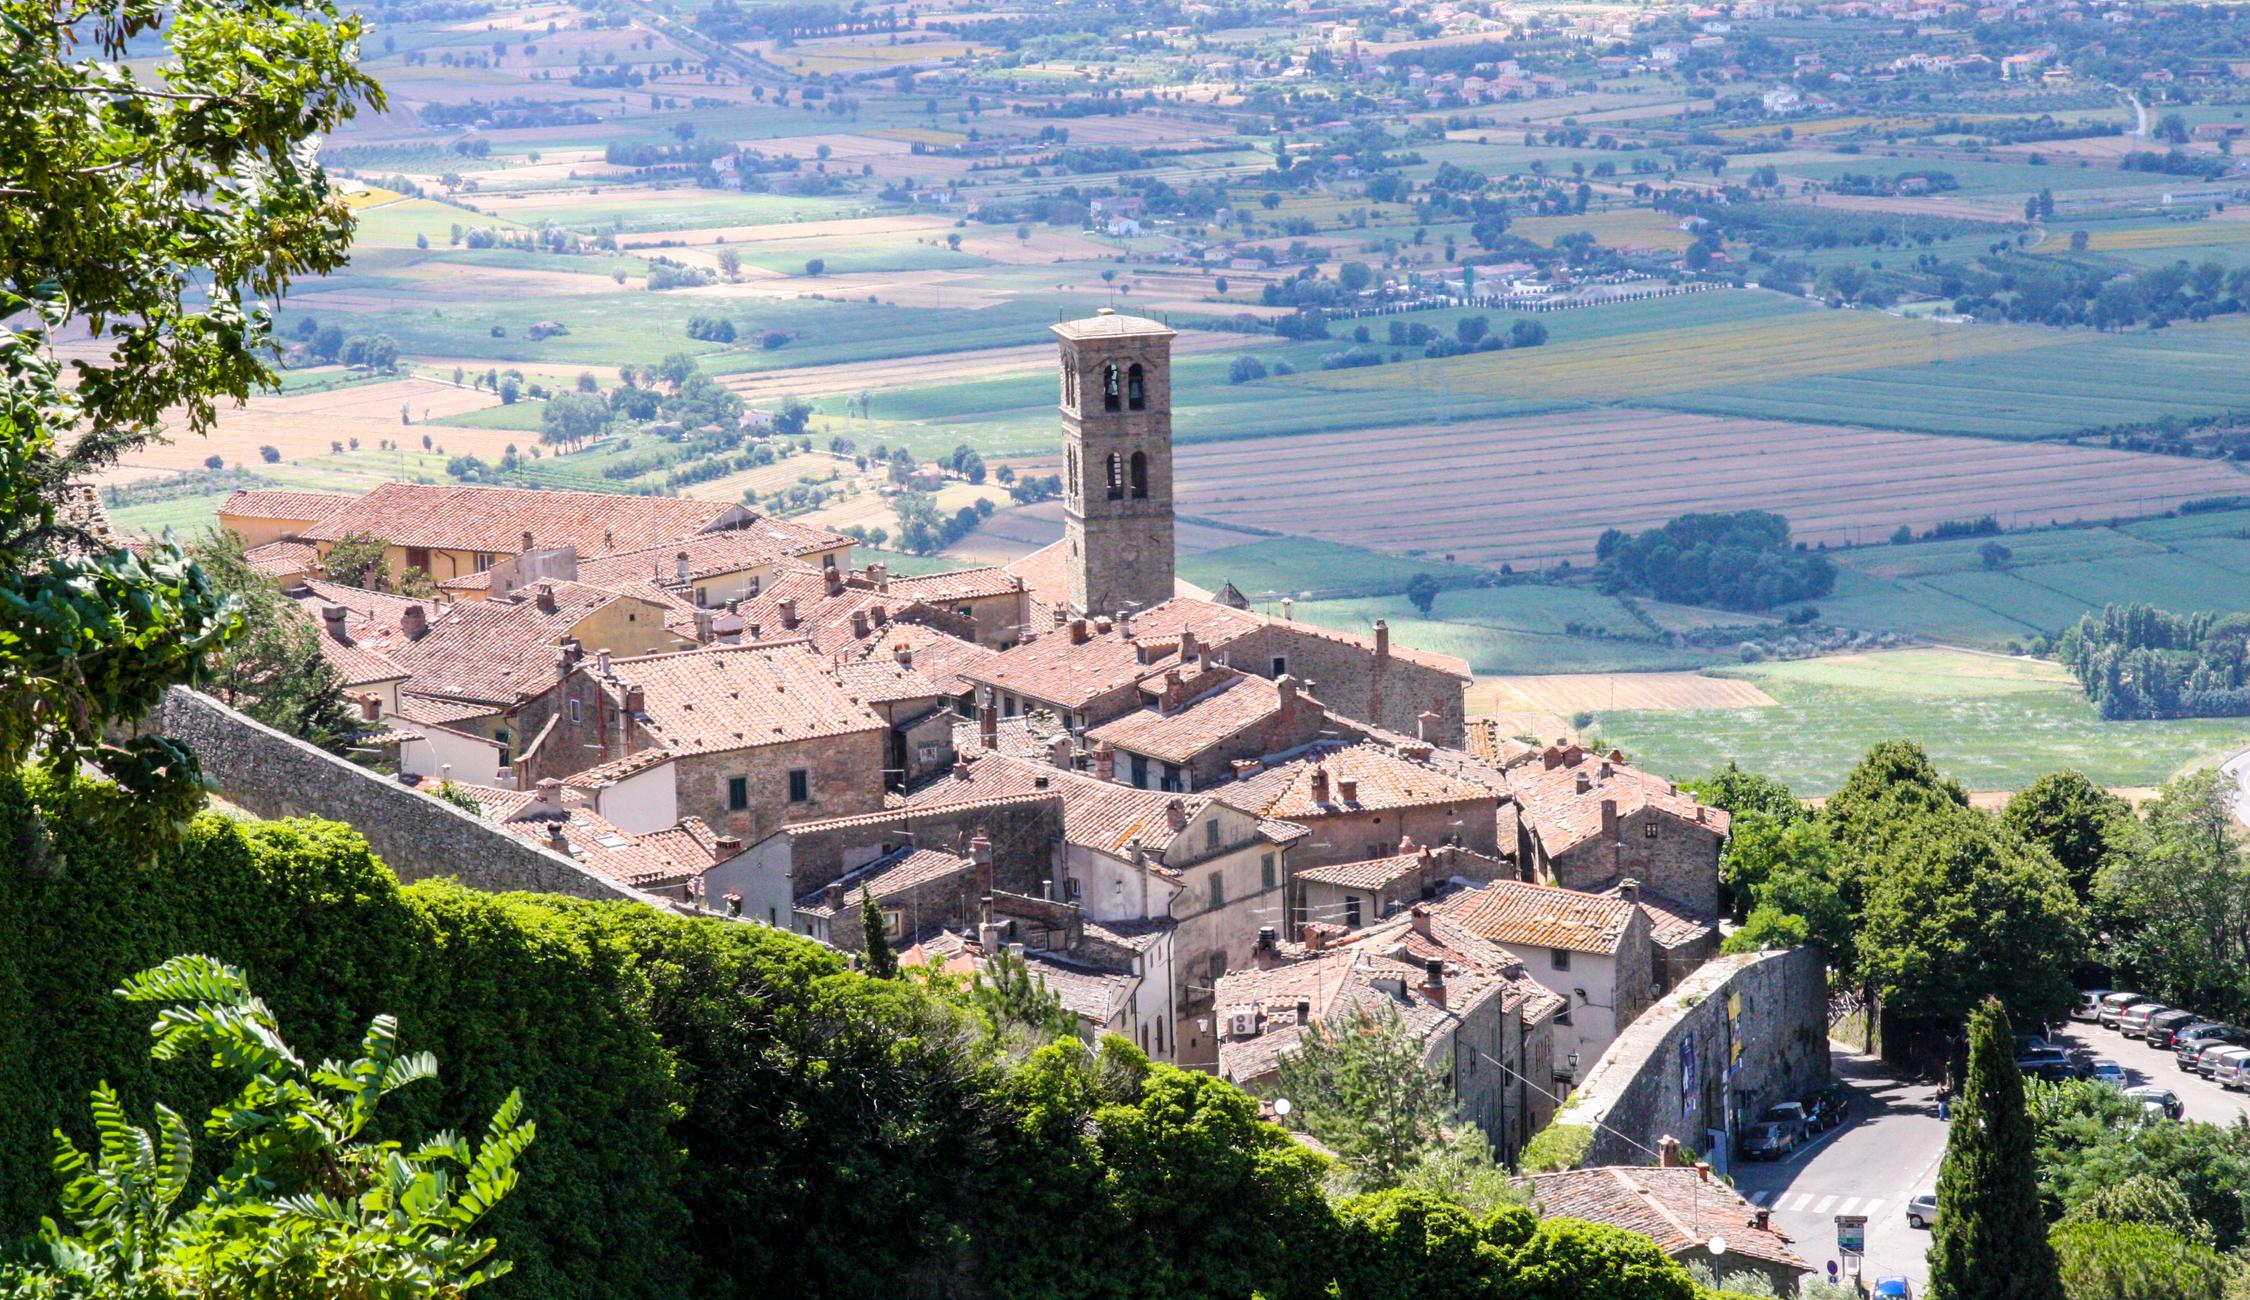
column 1851, row 1234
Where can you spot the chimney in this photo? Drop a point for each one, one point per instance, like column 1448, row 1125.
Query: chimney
column 904, row 653
column 788, row 605
column 834, row 580
column 636, row 700
column 609, row 543
column 526, row 544
column 1382, row 639
column 1703, row 1170
column 1433, row 979
column 881, row 573
column 1629, row 891
column 548, row 794
column 859, row 623
column 1550, row 758
column 705, row 625
column 725, row 846
column 1244, row 767
column 1304, row 1011
column 413, row 621
column 1418, row 917
column 1609, row 819
column 1668, row 1153
column 601, row 662
column 1105, row 762
column 544, row 594
column 1316, row 938
column 1175, row 815
column 1103, row 623
column 1347, row 789
column 833, row 895
column 1699, row 811
column 1078, row 631
column 1319, row 784
column 1125, row 623
column 371, row 706
column 333, row 617
column 680, row 566
column 1187, row 644
column 1058, row 752
column 1762, row 1220
column 1268, row 938
column 961, row 766
column 879, row 615
column 1288, row 609
column 1175, row 692
column 980, row 858
column 557, row 839
column 1583, row 783
column 988, row 724
column 1286, row 687
column 1426, row 726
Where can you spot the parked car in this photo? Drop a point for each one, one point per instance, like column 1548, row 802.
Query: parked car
column 1921, row 1212
column 2113, row 1006
column 2193, row 1029
column 1827, row 1108
column 1768, row 1141
column 1893, row 1288
column 2191, row 1050
column 2207, row 1064
column 1792, row 1114
column 2089, row 1004
column 2109, row 1072
column 2161, row 1028
column 2082, row 1062
column 2049, row 1063
column 2161, row 1097
column 2134, row 1022
column 2227, row 1071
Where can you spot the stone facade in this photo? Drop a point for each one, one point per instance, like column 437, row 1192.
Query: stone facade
column 1669, row 856
column 1378, row 687
column 417, row 836
column 1116, row 404
column 1744, row 1032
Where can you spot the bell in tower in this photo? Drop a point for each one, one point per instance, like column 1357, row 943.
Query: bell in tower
column 1117, row 461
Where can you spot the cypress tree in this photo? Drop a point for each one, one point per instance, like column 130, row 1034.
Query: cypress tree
column 882, row 963
column 1991, row 1237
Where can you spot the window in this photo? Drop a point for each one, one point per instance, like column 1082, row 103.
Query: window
column 702, row 597
column 500, row 738
column 1648, row 831
column 1218, row 889
column 1351, row 913
column 1559, row 958
column 574, row 710
column 754, row 585
column 1116, row 477
column 1280, row 665
column 738, row 793
column 1110, row 388
column 1211, row 834
column 1265, row 870
column 1172, row 781
column 1008, row 706
column 1562, row 1017
column 1140, row 475
column 1136, row 390
column 1140, row 771
column 893, row 921
column 800, row 785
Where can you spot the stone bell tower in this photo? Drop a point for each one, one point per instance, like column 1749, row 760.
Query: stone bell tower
column 1117, row 461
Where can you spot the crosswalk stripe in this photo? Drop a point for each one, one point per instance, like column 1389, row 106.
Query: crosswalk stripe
column 1871, row 1208
column 1847, row 1205
column 1804, row 1202
column 1825, row 1202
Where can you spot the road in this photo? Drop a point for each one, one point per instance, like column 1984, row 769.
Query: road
column 1887, row 1152
column 2237, row 772
column 2204, row 1099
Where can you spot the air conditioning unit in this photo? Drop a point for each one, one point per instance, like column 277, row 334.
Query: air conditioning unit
column 1243, row 1024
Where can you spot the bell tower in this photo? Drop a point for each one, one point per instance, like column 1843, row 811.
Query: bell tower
column 1117, row 461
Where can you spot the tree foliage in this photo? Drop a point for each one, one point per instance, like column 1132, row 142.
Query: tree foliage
column 1735, row 561
column 1364, row 1090
column 273, row 670
column 1990, row 1241
column 2107, row 1260
column 2175, row 899
column 2075, row 820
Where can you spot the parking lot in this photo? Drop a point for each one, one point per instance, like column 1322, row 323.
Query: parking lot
column 2204, row 1099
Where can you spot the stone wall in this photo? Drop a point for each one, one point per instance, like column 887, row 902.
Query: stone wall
column 1670, row 856
column 274, row 775
column 1774, row 1006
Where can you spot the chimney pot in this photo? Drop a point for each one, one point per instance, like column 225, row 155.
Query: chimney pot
column 1703, row 1170
column 1763, row 1220
column 706, row 622
column 1125, row 623
column 859, row 623
column 1347, row 788
column 1668, row 1152
column 680, row 566
column 1078, row 631
column 636, row 699
column 1319, row 784
column 413, row 621
column 833, row 895
column 545, row 595
column 1268, row 938
column 726, row 846
column 1304, row 1011
column 371, row 706
column 1187, row 644
column 1583, row 783
column 788, row 606
column 1382, row 639
column 1629, row 890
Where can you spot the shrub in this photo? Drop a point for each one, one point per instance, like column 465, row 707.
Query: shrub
column 1554, row 1148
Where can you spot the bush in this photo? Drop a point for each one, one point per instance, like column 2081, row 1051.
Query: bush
column 1555, row 1148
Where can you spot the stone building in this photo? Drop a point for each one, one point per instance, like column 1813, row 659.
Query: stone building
column 1362, row 799
column 1116, row 404
column 1590, row 821
column 1682, row 1209
column 1355, row 894
column 759, row 735
column 918, row 891
column 1592, row 951
column 1202, row 719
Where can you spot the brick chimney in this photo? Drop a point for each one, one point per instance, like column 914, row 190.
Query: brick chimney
column 833, row 579
column 1105, row 762
column 788, row 607
column 1583, row 783
column 833, row 895
column 544, row 595
column 1316, row 939
column 1382, row 639
column 1347, row 789
column 1078, row 633
column 332, row 617
column 881, row 574
column 706, row 622
column 1103, row 623
column 1175, row 692
column 724, row 847
column 413, row 621
column 1668, row 1153
column 1175, row 815
column 1433, row 980
column 1629, row 891
column 859, row 623
column 557, row 838
column 904, row 653
column 636, row 699
column 371, row 706
column 526, row 545
column 1319, row 784
column 1609, row 819
column 980, row 858
column 1187, row 644
column 680, row 566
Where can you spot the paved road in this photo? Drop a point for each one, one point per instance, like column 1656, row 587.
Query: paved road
column 2204, row 1099
column 1885, row 1154
column 2237, row 772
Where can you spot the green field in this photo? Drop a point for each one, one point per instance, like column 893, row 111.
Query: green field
column 1517, row 629
column 1994, row 724
column 1288, row 565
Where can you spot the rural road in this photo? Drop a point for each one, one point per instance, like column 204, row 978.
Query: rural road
column 1884, row 1155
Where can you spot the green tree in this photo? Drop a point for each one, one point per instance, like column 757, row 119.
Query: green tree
column 1990, row 1242
column 308, row 1205
column 1422, row 592
column 1016, row 1002
column 2135, row 1261
column 1405, row 1244
column 274, row 670
column 573, row 418
column 2075, row 820
column 1364, row 1090
column 881, row 962
column 2176, row 899
column 356, row 560
column 1567, row 1259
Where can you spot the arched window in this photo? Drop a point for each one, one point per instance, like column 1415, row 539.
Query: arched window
column 1111, row 380
column 1136, row 391
column 1140, row 474
column 1116, row 477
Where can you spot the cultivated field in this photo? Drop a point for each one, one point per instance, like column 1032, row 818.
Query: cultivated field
column 303, row 425
column 1568, row 693
column 1539, row 491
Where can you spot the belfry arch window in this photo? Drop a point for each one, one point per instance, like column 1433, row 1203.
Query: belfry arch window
column 1136, row 390
column 1112, row 379
column 1140, row 474
column 1116, row 477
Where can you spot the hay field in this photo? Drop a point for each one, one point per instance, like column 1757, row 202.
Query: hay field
column 1563, row 694
column 2167, row 234
column 1539, row 490
column 302, row 425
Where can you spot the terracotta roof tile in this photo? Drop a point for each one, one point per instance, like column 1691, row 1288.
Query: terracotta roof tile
column 600, row 846
column 1381, row 778
column 732, row 550
column 1046, row 579
column 1101, row 815
column 880, row 681
column 889, row 876
column 282, row 559
column 1563, row 816
column 1516, row 912
column 617, row 769
column 436, row 712
column 959, row 584
column 1670, row 922
column 499, row 650
column 1678, row 1208
column 1240, row 702
column 273, row 503
column 940, row 657
column 724, row 698
column 495, row 519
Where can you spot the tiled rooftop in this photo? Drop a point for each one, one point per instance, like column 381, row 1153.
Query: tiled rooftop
column 1544, row 916
column 499, row 650
column 495, row 519
column 1101, row 815
column 1677, row 1207
column 889, row 876
column 960, row 584
column 1565, row 816
column 281, row 559
column 724, row 698
column 1239, row 702
column 1382, row 778
column 265, row 503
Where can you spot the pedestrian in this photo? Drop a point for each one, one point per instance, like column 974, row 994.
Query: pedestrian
column 1945, row 1100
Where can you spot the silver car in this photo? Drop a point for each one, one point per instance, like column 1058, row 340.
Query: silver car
column 2226, row 1071
column 1921, row 1212
column 2134, row 1022
column 2207, row 1061
column 2113, row 1006
column 2089, row 1005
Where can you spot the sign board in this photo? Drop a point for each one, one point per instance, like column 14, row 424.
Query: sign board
column 1689, row 1084
column 1851, row 1234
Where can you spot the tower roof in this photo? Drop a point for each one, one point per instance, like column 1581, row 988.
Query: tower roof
column 1107, row 324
